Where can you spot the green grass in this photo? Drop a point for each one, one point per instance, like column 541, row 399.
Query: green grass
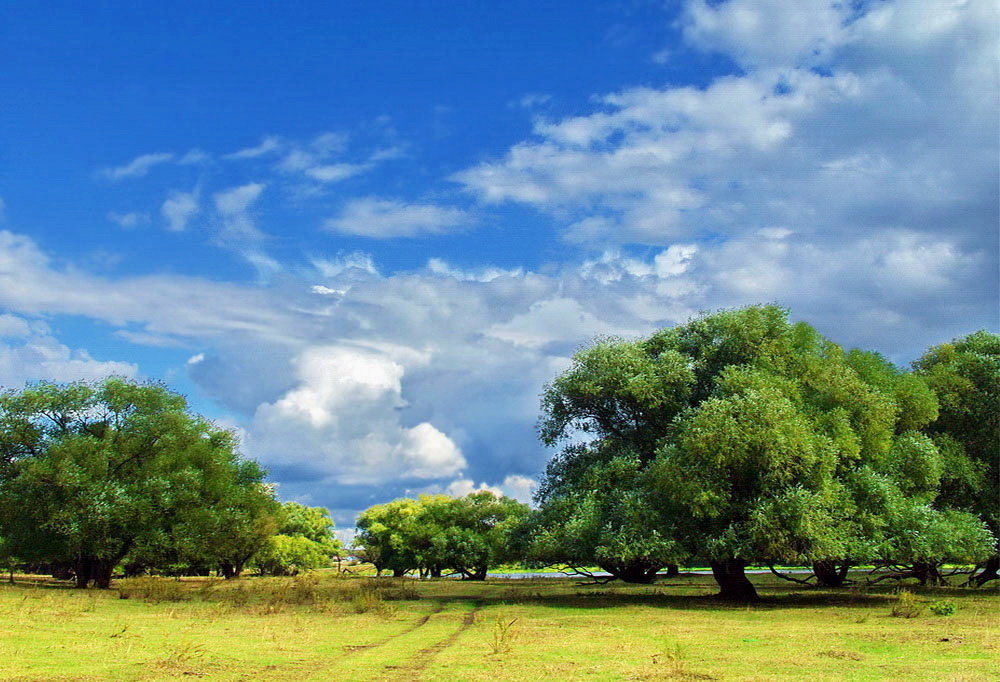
column 531, row 629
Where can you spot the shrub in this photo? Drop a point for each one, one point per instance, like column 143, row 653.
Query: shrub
column 943, row 608
column 504, row 633
column 153, row 590
column 906, row 605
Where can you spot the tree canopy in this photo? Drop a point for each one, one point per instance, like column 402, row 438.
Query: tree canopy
column 761, row 441
column 434, row 533
column 90, row 472
column 965, row 375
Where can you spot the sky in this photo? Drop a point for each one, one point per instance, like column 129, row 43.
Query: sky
column 365, row 235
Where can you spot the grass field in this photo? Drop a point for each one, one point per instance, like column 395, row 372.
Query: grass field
column 327, row 627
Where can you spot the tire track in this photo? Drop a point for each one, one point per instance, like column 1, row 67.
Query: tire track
column 420, row 660
column 352, row 648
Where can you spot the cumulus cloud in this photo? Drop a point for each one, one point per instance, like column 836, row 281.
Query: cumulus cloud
column 342, row 422
column 521, row 488
column 178, row 209
column 137, row 167
column 387, row 218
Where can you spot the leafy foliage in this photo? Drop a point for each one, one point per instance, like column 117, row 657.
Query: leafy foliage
column 93, row 471
column 752, row 439
column 436, row 532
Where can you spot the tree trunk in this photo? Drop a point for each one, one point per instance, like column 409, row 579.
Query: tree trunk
column 991, row 571
column 435, row 571
column 103, row 568
column 228, row 570
column 673, row 570
column 84, row 570
column 733, row 582
column 398, row 572
column 828, row 574
column 927, row 573
column 478, row 574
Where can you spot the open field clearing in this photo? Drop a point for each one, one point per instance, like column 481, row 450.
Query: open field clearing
column 325, row 627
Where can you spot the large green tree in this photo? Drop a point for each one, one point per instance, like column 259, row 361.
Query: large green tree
column 965, row 375
column 761, row 441
column 90, row 472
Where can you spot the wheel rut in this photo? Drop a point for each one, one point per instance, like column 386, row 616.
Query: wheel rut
column 420, row 622
column 420, row 660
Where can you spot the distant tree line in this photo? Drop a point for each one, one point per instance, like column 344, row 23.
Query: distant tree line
column 740, row 438
column 118, row 475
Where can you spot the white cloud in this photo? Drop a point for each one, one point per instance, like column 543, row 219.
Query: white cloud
column 336, row 387
column 238, row 229
column 387, row 218
column 355, row 263
column 137, row 167
column 268, row 145
column 342, row 421
column 483, row 274
column 895, row 130
column 194, row 157
column 551, row 320
column 178, row 209
column 128, row 220
column 31, row 353
column 12, row 326
column 766, row 33
column 336, row 172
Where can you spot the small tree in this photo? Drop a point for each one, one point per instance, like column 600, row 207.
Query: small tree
column 304, row 541
column 435, row 532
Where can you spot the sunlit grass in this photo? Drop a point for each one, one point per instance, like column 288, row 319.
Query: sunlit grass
column 328, row 627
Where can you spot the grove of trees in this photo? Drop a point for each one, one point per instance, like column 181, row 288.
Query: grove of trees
column 437, row 533
column 741, row 438
column 117, row 474
column 736, row 439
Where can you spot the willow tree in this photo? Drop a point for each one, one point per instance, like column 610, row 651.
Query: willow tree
column 759, row 438
column 436, row 532
column 965, row 375
column 90, row 472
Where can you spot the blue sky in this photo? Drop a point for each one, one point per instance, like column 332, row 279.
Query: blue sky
column 365, row 234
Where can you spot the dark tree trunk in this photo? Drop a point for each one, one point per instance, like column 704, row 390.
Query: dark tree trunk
column 927, row 573
column 639, row 573
column 733, row 582
column 84, row 571
column 228, row 570
column 398, row 572
column 435, row 571
column 478, row 574
column 828, row 574
column 133, row 570
column 102, row 570
column 673, row 570
column 991, row 571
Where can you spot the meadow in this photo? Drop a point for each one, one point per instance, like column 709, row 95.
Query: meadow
column 327, row 626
